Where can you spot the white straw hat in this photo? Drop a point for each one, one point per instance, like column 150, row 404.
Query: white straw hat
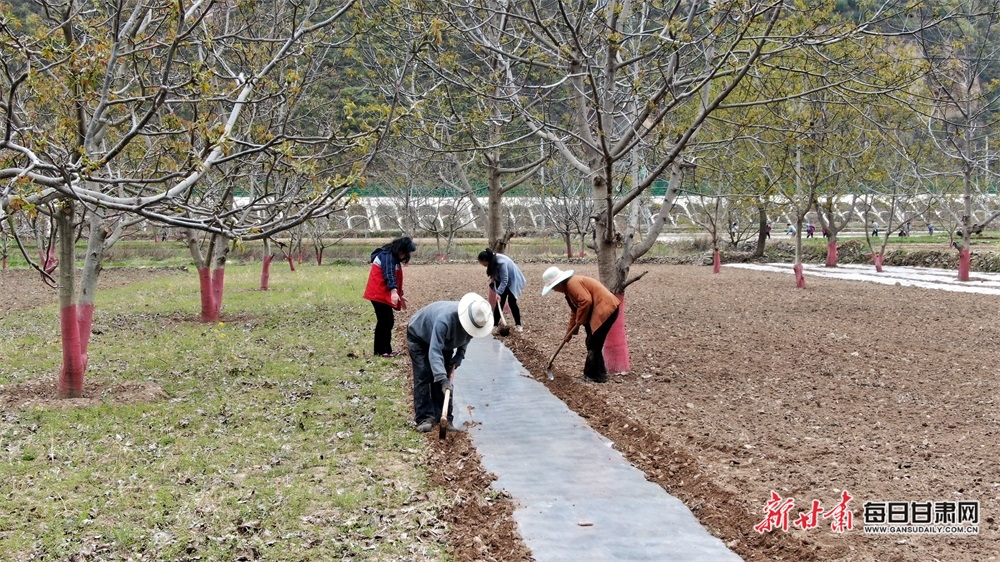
column 554, row 276
column 476, row 315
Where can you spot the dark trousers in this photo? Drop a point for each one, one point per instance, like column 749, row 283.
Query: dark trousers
column 594, row 367
column 428, row 398
column 507, row 298
column 384, row 321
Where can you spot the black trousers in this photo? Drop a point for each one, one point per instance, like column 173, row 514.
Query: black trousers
column 507, row 298
column 594, row 368
column 428, row 398
column 384, row 321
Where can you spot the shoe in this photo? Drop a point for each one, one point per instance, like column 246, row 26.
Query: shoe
column 598, row 378
column 390, row 355
column 450, row 428
column 518, row 328
column 425, row 426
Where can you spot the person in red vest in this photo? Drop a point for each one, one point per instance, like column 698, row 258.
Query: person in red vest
column 592, row 306
column 385, row 289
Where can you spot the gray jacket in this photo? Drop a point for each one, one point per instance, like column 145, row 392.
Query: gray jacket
column 508, row 275
column 437, row 326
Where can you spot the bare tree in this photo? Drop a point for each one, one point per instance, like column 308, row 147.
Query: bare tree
column 318, row 232
column 959, row 110
column 709, row 214
column 140, row 108
column 739, row 166
column 442, row 218
column 628, row 85
column 471, row 123
column 565, row 203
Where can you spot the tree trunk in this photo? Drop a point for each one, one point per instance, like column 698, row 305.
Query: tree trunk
column 219, row 274
column 963, row 249
column 494, row 218
column 877, row 259
column 613, row 274
column 716, row 262
column 964, row 263
column 614, row 270
column 218, row 283
column 92, row 267
column 71, row 375
column 830, row 227
column 212, row 280
column 616, row 355
column 800, row 280
column 831, row 251
column 211, row 274
column 207, row 296
column 761, row 232
column 265, row 272
column 449, row 246
column 569, row 245
column 265, row 268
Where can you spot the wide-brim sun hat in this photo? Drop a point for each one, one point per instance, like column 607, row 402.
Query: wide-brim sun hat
column 476, row 315
column 554, row 276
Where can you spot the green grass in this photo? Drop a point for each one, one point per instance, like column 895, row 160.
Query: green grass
column 279, row 438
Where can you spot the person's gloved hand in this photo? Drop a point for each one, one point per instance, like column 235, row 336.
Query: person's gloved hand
column 394, row 298
column 446, row 385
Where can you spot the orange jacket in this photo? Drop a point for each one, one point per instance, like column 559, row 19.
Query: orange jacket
column 590, row 301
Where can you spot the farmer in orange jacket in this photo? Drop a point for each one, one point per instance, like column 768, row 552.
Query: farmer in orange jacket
column 592, row 306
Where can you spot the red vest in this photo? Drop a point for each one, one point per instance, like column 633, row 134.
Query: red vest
column 377, row 291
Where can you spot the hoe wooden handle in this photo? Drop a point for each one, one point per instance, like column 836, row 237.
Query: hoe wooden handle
column 443, row 424
column 558, row 349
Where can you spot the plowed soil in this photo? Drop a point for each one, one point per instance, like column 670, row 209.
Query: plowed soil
column 740, row 385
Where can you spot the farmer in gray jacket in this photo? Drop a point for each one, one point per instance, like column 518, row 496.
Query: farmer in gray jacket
column 437, row 337
column 507, row 281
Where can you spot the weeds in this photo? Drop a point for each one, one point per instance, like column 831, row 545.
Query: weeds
column 278, row 438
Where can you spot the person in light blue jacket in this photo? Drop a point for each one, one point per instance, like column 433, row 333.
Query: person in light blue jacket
column 507, row 281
